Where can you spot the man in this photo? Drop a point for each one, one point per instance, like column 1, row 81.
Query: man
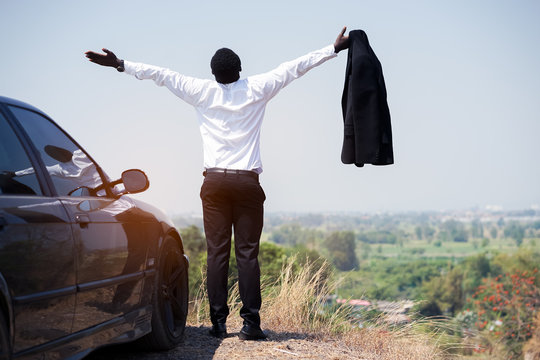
column 230, row 112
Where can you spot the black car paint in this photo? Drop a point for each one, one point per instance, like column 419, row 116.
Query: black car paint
column 67, row 286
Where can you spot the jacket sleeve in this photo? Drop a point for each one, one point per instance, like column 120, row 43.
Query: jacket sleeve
column 185, row 87
column 272, row 82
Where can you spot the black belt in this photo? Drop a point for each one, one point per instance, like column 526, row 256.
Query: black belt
column 231, row 172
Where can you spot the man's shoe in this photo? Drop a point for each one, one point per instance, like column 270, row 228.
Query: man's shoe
column 251, row 332
column 218, row 330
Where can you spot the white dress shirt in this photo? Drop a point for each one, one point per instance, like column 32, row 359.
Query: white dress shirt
column 230, row 115
column 79, row 169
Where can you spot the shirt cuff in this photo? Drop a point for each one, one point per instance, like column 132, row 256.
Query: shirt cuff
column 330, row 50
column 129, row 67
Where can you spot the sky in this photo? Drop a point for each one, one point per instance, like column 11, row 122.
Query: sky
column 463, row 83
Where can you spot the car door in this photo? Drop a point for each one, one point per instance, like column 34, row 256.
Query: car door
column 110, row 249
column 37, row 252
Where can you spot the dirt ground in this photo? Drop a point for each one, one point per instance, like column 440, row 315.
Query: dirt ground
column 199, row 345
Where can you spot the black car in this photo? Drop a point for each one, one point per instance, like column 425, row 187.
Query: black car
column 82, row 265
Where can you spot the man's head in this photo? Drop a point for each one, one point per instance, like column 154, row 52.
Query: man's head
column 226, row 66
column 58, row 153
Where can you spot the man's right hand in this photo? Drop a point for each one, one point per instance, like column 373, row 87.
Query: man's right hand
column 107, row 59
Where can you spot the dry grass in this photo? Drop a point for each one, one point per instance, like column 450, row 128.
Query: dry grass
column 295, row 304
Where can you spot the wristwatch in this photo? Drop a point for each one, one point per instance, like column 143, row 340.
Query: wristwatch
column 120, row 67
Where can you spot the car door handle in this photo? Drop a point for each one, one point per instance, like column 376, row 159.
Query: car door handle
column 82, row 219
column 3, row 223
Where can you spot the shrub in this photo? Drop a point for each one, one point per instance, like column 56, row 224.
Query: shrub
column 506, row 307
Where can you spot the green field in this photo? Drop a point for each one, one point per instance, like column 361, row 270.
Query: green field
column 422, row 248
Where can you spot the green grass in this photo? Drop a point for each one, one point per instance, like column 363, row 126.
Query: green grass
column 424, row 249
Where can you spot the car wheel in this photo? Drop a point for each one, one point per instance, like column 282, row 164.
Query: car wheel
column 170, row 298
column 5, row 348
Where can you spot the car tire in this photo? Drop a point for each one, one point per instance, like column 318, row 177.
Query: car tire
column 170, row 298
column 5, row 344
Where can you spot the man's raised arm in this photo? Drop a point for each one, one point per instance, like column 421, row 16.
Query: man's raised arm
column 273, row 81
column 187, row 88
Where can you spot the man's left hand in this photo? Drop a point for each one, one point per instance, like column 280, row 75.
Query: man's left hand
column 342, row 41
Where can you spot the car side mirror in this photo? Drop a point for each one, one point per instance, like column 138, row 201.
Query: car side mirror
column 135, row 181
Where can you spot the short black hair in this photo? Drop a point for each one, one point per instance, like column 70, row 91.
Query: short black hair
column 225, row 61
column 58, row 153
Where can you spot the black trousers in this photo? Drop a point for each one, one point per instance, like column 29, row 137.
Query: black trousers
column 233, row 201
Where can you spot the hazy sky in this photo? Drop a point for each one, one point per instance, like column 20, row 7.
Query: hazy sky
column 463, row 82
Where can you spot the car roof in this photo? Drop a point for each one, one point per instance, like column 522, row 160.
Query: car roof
column 10, row 101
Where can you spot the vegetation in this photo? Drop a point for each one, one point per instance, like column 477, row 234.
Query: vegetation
column 505, row 307
column 456, row 268
column 328, row 330
column 341, row 247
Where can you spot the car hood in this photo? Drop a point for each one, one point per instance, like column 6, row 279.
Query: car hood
column 159, row 214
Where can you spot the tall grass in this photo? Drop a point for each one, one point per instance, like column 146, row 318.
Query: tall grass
column 296, row 303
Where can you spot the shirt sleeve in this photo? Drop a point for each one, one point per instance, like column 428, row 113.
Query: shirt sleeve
column 24, row 172
column 185, row 87
column 272, row 82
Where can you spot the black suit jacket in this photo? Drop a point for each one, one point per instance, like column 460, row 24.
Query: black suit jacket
column 367, row 132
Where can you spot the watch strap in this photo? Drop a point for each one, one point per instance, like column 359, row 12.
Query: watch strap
column 120, row 67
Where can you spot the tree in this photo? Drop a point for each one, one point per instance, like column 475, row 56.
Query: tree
column 195, row 247
column 310, row 259
column 507, row 306
column 271, row 260
column 341, row 247
column 193, row 240
column 418, row 231
column 378, row 237
column 365, row 250
column 294, row 234
column 444, row 292
column 454, row 231
column 289, row 234
column 475, row 268
column 429, row 308
column 515, row 231
column 428, row 231
column 477, row 230
column 493, row 232
column 454, row 291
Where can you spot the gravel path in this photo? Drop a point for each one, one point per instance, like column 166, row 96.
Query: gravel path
column 198, row 345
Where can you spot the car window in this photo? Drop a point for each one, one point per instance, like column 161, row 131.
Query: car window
column 17, row 176
column 72, row 172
